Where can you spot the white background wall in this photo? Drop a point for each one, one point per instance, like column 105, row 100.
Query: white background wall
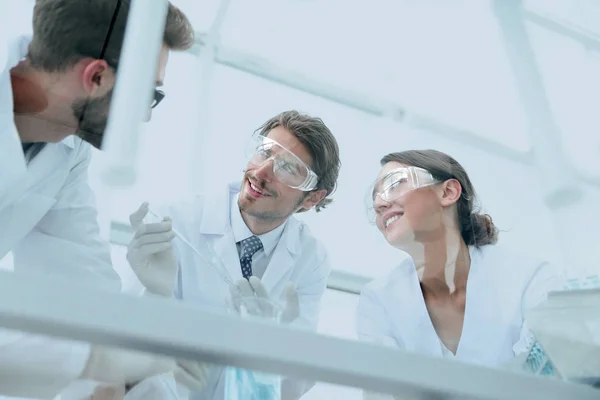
column 508, row 190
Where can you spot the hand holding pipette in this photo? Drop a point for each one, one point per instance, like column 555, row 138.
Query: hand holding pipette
column 151, row 254
column 207, row 255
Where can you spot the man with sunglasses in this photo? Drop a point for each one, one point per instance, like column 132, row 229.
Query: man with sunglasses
column 56, row 90
column 292, row 166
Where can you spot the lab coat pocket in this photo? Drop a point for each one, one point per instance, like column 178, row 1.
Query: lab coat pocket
column 20, row 218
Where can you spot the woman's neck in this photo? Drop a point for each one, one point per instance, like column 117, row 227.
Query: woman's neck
column 443, row 264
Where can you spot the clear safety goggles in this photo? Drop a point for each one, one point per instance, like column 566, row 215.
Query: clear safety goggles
column 394, row 185
column 287, row 167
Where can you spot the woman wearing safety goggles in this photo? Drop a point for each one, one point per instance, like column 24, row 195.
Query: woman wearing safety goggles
column 423, row 204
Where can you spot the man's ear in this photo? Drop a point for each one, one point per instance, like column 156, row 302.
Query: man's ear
column 451, row 192
column 313, row 199
column 97, row 77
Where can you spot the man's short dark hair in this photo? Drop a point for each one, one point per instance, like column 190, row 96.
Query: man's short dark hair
column 320, row 142
column 66, row 31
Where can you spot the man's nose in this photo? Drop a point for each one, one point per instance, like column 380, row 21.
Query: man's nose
column 265, row 171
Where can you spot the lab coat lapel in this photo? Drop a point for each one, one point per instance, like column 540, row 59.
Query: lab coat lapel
column 226, row 251
column 217, row 222
column 423, row 338
column 482, row 325
column 409, row 313
column 26, row 201
column 50, row 163
column 283, row 259
column 18, row 220
column 12, row 163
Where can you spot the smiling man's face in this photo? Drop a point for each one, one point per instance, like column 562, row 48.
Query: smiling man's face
column 263, row 196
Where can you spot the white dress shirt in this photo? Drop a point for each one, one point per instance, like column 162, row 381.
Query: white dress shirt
column 269, row 240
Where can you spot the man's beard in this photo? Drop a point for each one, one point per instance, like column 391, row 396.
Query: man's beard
column 92, row 115
column 270, row 215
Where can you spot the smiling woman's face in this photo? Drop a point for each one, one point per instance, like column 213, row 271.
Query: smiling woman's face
column 411, row 217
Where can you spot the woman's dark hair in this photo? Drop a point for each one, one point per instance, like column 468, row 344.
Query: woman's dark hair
column 476, row 229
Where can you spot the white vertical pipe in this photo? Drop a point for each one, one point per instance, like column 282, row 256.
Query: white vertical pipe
column 561, row 189
column 559, row 185
column 201, row 135
column 133, row 90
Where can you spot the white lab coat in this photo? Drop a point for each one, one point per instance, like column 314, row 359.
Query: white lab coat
column 500, row 286
column 48, row 221
column 161, row 387
column 298, row 258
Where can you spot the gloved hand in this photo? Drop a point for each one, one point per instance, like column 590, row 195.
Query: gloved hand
column 118, row 366
column 254, row 288
column 151, row 254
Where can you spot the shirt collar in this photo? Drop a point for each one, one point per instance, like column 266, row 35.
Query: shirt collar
column 69, row 141
column 241, row 231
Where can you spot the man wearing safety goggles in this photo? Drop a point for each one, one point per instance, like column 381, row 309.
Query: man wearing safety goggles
column 292, row 166
column 277, row 182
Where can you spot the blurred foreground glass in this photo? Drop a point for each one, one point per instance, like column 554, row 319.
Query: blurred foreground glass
column 567, row 329
column 242, row 384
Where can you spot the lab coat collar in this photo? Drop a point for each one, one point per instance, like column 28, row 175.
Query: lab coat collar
column 412, row 317
column 484, row 316
column 216, row 221
column 13, row 164
column 241, row 231
column 215, row 218
column 482, row 312
column 219, row 222
column 69, row 141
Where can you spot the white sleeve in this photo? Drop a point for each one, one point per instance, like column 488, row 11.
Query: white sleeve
column 372, row 322
column 310, row 293
column 70, row 235
column 545, row 279
column 38, row 366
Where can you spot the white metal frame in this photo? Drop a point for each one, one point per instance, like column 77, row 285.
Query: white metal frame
column 133, row 89
column 369, row 104
column 555, row 173
column 360, row 101
column 177, row 329
column 589, row 39
column 205, row 65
